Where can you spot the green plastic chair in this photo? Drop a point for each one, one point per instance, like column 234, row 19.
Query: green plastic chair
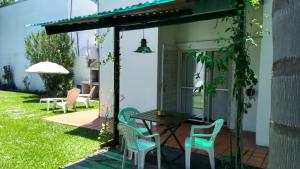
column 125, row 117
column 140, row 144
column 199, row 141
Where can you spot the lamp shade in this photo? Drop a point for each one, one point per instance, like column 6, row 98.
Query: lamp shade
column 144, row 48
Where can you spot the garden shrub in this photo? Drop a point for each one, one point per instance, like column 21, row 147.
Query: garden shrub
column 104, row 134
column 8, row 78
column 58, row 48
column 6, row 2
column 26, row 82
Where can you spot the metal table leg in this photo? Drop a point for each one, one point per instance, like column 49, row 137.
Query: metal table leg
column 176, row 139
column 150, row 132
column 147, row 127
column 172, row 131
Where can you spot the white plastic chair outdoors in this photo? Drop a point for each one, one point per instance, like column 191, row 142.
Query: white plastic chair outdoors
column 125, row 117
column 140, row 144
column 85, row 98
column 70, row 100
column 199, row 141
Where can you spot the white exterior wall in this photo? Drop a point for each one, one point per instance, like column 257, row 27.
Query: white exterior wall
column 139, row 71
column 37, row 11
column 264, row 95
column 86, row 40
column 138, row 81
column 13, row 19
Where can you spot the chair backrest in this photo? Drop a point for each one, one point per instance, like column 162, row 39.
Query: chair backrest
column 72, row 96
column 124, row 116
column 130, row 135
column 217, row 128
column 92, row 91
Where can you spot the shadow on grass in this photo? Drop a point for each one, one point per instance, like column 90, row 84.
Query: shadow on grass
column 60, row 111
column 34, row 100
column 82, row 107
column 84, row 132
column 30, row 97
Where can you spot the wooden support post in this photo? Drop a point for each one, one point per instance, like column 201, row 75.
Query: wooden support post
column 116, row 82
column 240, row 92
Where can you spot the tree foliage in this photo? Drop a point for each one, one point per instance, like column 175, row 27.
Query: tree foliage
column 57, row 48
column 6, row 2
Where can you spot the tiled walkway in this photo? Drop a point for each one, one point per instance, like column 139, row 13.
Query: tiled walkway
column 87, row 119
column 252, row 154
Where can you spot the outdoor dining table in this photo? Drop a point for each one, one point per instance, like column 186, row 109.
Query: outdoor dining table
column 171, row 120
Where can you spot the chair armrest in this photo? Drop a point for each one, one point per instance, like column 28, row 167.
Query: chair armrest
column 59, row 100
column 62, row 98
column 155, row 136
column 84, row 95
column 150, row 136
column 200, row 127
column 201, row 135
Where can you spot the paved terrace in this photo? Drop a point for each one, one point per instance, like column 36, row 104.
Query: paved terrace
column 253, row 155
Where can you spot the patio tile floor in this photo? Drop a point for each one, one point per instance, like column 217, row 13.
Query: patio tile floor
column 86, row 119
column 253, row 155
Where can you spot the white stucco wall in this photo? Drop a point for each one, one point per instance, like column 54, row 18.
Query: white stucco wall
column 13, row 19
column 139, row 71
column 85, row 39
column 201, row 31
column 138, row 81
column 13, row 30
column 264, row 95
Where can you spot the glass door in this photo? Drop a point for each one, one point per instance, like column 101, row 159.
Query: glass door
column 200, row 105
column 192, row 74
column 220, row 103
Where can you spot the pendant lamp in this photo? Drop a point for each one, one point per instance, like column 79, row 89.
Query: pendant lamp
column 143, row 48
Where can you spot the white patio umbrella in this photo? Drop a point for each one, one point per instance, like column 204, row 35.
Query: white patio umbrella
column 47, row 68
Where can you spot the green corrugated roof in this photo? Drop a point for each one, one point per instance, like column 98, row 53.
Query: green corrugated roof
column 106, row 13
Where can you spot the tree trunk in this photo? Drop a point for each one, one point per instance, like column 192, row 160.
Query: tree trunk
column 285, row 108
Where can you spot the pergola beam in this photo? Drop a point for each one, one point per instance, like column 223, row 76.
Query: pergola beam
column 179, row 20
column 118, row 21
column 140, row 22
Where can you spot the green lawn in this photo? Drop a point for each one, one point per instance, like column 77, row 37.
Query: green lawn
column 198, row 101
column 28, row 141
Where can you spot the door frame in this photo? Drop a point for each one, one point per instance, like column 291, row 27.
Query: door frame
column 160, row 77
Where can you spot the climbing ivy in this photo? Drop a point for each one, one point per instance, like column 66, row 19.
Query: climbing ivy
column 243, row 32
column 100, row 39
